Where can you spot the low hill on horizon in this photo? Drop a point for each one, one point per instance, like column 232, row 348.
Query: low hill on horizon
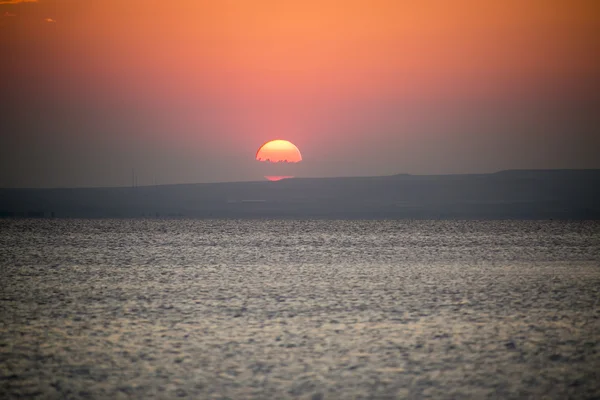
column 518, row 194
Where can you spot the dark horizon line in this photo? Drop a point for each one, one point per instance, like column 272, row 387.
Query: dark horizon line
column 296, row 178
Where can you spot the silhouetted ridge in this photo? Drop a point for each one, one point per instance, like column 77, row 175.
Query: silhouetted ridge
column 524, row 194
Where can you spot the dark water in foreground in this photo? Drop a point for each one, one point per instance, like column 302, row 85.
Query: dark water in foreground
column 299, row 309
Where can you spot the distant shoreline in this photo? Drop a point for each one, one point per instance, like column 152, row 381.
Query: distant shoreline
column 511, row 194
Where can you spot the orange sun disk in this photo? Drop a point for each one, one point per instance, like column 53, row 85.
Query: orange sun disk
column 279, row 151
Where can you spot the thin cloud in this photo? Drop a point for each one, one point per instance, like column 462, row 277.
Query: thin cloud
column 49, row 20
column 17, row 1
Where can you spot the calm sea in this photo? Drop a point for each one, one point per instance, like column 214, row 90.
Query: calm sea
column 299, row 309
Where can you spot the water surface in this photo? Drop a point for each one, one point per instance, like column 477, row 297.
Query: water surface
column 299, row 309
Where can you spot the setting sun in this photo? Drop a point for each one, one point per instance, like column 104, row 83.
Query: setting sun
column 279, row 158
column 279, row 151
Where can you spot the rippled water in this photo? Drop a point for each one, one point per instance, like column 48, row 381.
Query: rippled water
column 308, row 309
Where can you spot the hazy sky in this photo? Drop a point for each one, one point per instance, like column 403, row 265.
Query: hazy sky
column 186, row 91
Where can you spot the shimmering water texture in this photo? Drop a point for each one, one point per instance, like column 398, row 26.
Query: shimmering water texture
column 299, row 309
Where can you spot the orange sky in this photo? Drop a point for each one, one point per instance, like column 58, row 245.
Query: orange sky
column 347, row 45
column 258, row 68
column 343, row 41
